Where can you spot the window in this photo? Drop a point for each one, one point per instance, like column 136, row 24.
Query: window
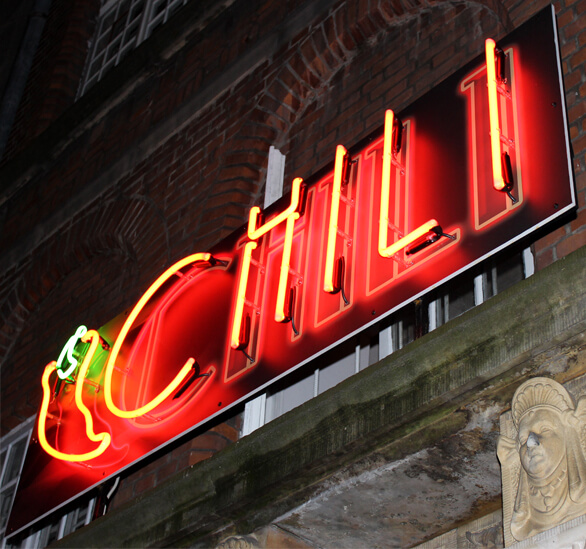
column 122, row 26
column 59, row 526
column 12, row 453
column 391, row 334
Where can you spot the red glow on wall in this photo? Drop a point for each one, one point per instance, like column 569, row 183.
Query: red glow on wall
column 394, row 216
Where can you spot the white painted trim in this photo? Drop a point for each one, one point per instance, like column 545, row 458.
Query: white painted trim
column 275, row 176
column 528, row 263
column 255, row 409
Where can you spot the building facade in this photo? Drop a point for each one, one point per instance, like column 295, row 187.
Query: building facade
column 137, row 132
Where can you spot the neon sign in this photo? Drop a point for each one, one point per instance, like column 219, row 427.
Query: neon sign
column 410, row 207
column 102, row 438
column 68, row 353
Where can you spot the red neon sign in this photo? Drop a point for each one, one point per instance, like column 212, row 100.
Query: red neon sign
column 102, row 438
column 413, row 206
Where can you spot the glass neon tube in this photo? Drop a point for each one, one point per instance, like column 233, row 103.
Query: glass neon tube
column 493, row 112
column 184, row 371
column 241, row 295
column 290, row 215
column 254, row 232
column 409, row 238
column 67, row 352
column 385, row 183
column 333, row 226
column 280, row 315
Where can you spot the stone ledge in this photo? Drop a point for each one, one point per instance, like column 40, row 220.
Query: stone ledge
column 569, row 535
column 400, row 405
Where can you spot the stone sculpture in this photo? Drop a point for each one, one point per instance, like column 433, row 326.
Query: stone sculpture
column 542, row 451
column 239, row 542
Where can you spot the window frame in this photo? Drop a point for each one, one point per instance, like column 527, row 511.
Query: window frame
column 132, row 21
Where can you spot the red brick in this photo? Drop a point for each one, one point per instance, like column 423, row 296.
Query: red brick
column 573, row 29
column 144, row 484
column 581, row 181
column 579, row 223
column 123, row 494
column 564, row 18
column 553, row 238
column 568, row 49
column 329, row 28
column 571, row 244
column 344, row 36
column 321, row 47
column 572, row 79
column 544, row 258
column 390, row 9
column 229, row 432
column 166, row 471
column 579, row 144
column 197, row 456
column 578, row 59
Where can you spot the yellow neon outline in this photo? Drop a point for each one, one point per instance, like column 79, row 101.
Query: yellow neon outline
column 241, row 296
column 254, row 232
column 409, row 238
column 493, row 113
column 383, row 227
column 280, row 315
column 333, row 226
column 103, row 438
column 383, row 248
column 290, row 215
column 124, row 331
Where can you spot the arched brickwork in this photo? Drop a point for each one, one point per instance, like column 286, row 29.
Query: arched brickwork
column 314, row 60
column 96, row 253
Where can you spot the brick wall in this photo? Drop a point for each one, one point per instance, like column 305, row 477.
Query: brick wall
column 55, row 75
column 572, row 31
column 166, row 155
column 175, row 459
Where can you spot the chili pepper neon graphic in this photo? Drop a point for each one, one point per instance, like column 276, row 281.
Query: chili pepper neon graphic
column 103, row 438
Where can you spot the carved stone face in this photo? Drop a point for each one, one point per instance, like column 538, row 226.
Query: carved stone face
column 541, row 439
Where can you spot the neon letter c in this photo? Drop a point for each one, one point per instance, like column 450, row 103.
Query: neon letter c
column 124, row 331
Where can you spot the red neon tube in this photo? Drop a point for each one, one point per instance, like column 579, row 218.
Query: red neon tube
column 184, row 371
column 493, row 111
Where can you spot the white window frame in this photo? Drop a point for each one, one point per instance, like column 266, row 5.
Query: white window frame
column 62, row 525
column 132, row 21
column 8, row 445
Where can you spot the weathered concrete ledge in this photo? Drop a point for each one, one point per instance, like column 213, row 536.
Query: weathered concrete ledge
column 396, row 407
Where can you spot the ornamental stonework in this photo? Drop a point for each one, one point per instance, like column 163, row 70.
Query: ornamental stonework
column 542, row 451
